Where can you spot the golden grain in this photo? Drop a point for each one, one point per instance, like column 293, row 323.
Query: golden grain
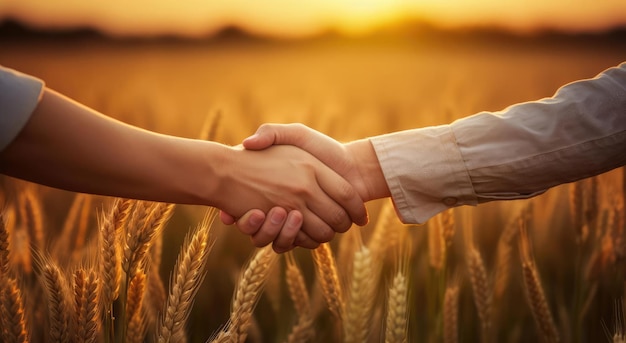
column 12, row 315
column 86, row 306
column 397, row 310
column 59, row 303
column 362, row 293
column 534, row 291
column 326, row 269
column 189, row 272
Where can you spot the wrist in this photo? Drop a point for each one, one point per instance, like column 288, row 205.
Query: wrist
column 374, row 186
column 206, row 184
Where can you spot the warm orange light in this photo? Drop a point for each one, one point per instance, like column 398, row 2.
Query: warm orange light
column 288, row 18
column 360, row 16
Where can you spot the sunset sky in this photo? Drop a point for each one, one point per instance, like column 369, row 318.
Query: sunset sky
column 289, row 18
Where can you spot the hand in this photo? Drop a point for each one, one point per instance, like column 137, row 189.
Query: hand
column 356, row 161
column 292, row 179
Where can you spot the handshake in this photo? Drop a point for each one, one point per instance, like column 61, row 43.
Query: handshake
column 314, row 186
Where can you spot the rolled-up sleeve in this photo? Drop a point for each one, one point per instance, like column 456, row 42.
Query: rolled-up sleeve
column 19, row 96
column 513, row 154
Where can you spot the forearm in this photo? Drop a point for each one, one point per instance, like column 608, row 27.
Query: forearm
column 69, row 146
column 517, row 153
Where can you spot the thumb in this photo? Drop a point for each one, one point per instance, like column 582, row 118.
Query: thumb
column 264, row 137
column 226, row 218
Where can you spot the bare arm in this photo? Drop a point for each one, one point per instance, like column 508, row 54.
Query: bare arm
column 70, row 146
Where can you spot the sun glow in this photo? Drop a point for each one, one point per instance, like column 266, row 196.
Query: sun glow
column 360, row 16
column 286, row 18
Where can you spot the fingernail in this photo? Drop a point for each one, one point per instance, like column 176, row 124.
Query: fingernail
column 255, row 219
column 277, row 218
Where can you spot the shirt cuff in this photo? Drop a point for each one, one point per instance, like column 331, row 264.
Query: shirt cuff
column 19, row 96
column 424, row 171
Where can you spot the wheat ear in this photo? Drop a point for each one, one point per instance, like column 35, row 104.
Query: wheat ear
column 436, row 245
column 396, row 323
column 135, row 322
column 534, row 291
column 480, row 288
column 189, row 272
column 246, row 295
column 86, row 316
column 58, row 295
column 32, row 217
column 210, row 126
column 111, row 227
column 451, row 312
column 504, row 257
column 139, row 238
column 358, row 312
column 12, row 310
column 302, row 331
column 4, row 249
column 385, row 232
column 326, row 268
column 248, row 291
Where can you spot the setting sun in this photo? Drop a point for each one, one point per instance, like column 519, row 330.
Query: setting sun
column 284, row 18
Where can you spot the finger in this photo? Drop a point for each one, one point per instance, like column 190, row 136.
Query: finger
column 304, row 241
column 316, row 228
column 262, row 138
column 271, row 227
column 342, row 192
column 287, row 235
column 323, row 147
column 226, row 218
column 251, row 222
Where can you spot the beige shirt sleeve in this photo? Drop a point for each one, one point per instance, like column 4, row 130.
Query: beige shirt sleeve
column 517, row 153
column 19, row 96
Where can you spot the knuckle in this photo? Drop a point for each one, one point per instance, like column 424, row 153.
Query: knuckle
column 325, row 235
column 258, row 242
column 346, row 191
column 339, row 219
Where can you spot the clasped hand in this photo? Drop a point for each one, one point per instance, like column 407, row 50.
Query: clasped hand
column 334, row 181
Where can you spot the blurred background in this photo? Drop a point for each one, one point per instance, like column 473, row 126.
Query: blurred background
column 349, row 68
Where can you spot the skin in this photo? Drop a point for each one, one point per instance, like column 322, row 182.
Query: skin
column 355, row 161
column 69, row 146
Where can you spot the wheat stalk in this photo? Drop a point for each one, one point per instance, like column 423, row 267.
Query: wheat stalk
column 155, row 298
column 30, row 211
column 210, row 126
column 534, row 291
column 189, row 272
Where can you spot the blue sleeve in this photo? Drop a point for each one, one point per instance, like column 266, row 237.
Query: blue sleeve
column 19, row 96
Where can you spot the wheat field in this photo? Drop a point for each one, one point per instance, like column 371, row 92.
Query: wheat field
column 82, row 268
